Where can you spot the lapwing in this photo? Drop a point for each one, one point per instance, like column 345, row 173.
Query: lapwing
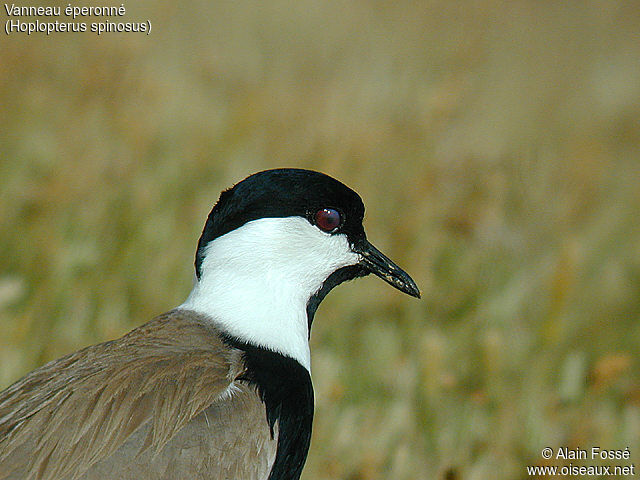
column 219, row 387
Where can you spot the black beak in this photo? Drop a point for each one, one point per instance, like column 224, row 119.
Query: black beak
column 374, row 261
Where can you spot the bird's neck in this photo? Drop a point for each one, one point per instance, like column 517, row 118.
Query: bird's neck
column 256, row 281
column 261, row 311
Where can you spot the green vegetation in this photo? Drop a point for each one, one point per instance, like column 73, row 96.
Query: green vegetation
column 495, row 144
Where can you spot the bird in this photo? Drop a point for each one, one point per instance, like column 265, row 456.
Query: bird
column 219, row 387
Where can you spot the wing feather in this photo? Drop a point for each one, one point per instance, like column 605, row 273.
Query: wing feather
column 71, row 413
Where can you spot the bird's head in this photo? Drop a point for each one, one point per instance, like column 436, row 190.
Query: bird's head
column 272, row 248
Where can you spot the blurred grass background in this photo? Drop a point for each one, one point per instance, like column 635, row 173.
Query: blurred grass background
column 496, row 146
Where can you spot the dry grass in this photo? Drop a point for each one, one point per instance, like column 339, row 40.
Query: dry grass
column 495, row 144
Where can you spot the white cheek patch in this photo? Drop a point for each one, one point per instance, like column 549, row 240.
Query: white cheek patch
column 256, row 281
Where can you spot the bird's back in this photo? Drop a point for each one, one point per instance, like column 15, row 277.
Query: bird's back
column 161, row 402
column 208, row 447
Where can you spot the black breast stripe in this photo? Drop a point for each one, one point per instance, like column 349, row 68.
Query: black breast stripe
column 285, row 388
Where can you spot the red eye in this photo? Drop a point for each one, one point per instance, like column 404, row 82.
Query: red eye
column 327, row 219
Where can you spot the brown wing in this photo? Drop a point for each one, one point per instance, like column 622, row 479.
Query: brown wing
column 64, row 417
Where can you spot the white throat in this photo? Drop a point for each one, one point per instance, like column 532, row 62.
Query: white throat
column 255, row 281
